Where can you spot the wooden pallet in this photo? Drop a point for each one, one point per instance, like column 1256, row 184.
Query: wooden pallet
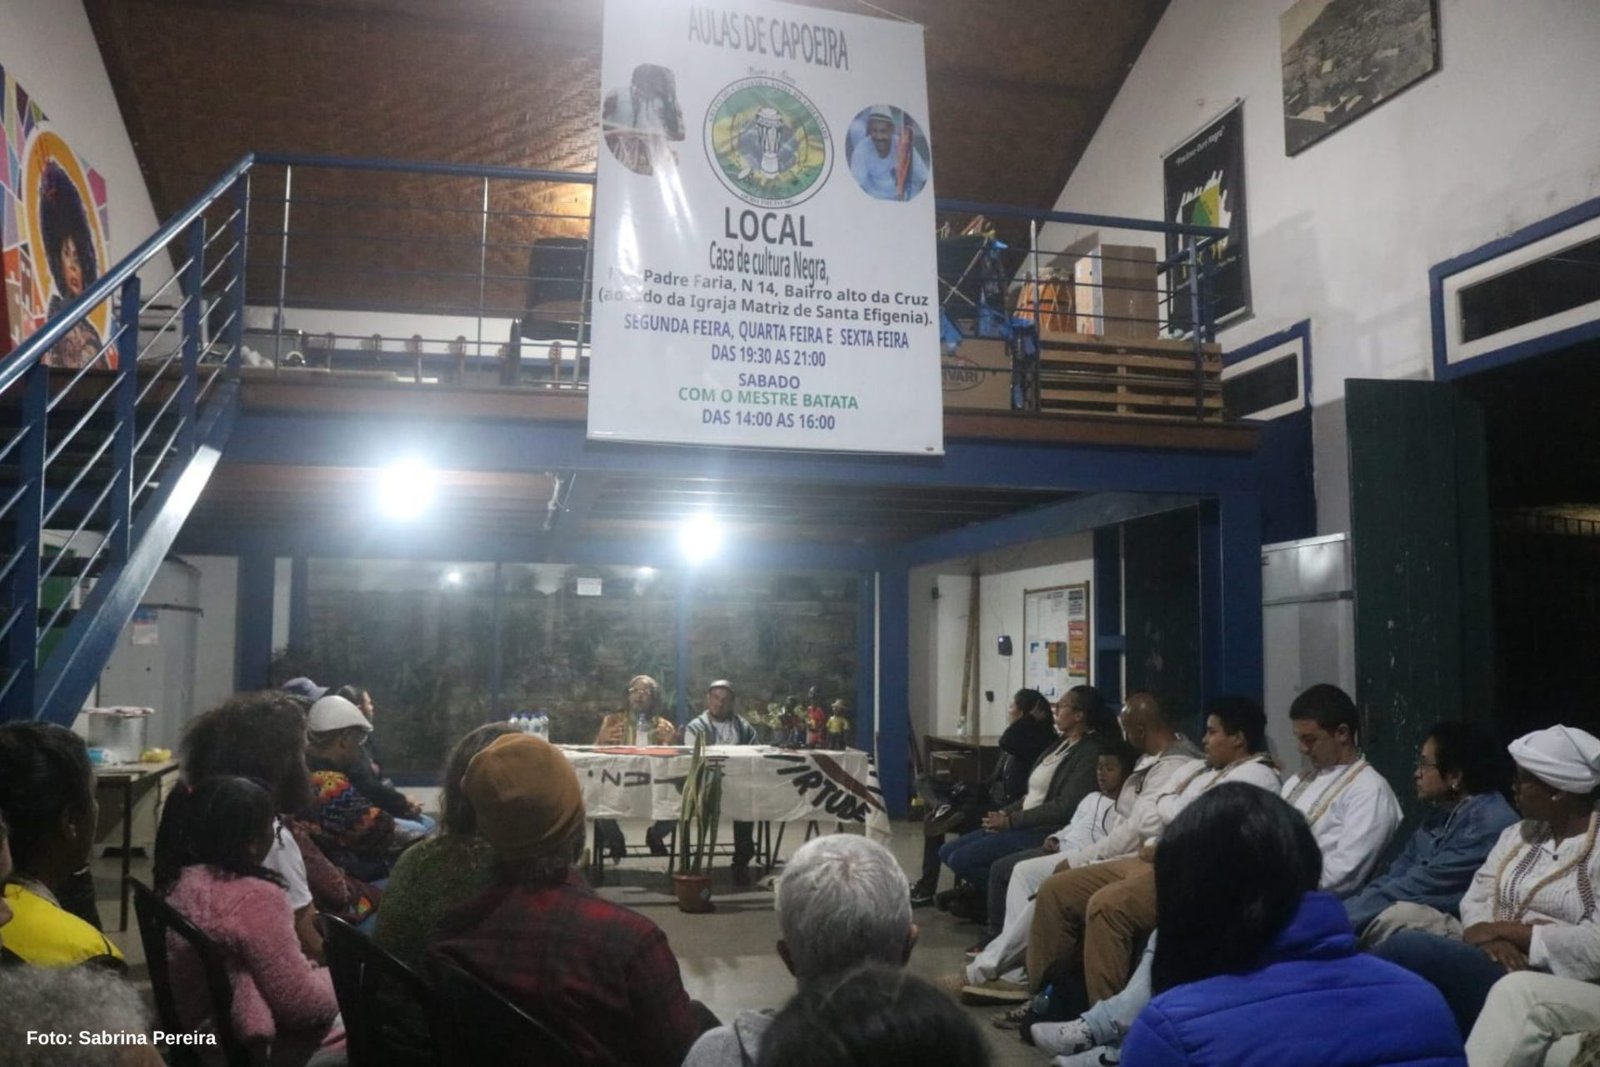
column 1127, row 377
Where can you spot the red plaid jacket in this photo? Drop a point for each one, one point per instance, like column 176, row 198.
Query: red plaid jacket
column 600, row 975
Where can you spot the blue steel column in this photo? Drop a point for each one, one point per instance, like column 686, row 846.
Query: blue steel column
column 1235, row 665
column 253, row 629
column 497, row 652
column 1110, row 644
column 894, row 688
column 864, row 712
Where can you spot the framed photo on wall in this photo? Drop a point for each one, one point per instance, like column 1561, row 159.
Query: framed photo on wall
column 1342, row 58
column 1203, row 180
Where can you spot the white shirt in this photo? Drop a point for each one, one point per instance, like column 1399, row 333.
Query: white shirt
column 1043, row 772
column 1256, row 771
column 1095, row 817
column 285, row 860
column 1355, row 828
column 1568, row 944
column 1152, row 779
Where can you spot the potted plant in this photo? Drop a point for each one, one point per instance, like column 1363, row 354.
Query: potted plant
column 698, row 815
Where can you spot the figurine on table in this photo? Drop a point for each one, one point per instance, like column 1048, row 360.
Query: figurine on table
column 838, row 726
column 816, row 720
column 791, row 724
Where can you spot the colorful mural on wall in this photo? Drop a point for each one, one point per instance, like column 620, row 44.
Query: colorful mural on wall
column 55, row 227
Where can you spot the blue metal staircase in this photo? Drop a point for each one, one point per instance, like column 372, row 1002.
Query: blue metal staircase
column 101, row 463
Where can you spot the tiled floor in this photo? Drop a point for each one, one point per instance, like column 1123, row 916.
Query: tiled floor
column 728, row 958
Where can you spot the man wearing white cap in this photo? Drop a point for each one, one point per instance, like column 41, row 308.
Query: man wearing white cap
column 357, row 835
column 1531, row 906
column 719, row 725
column 883, row 166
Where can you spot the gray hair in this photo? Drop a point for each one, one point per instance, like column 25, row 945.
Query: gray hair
column 843, row 901
column 65, row 1000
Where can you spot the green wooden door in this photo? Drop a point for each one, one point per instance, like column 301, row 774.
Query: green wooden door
column 1419, row 517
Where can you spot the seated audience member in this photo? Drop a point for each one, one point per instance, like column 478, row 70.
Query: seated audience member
column 995, row 971
column 367, row 776
column 442, row 872
column 600, row 975
column 262, row 736
column 1351, row 809
column 69, row 1000
column 209, row 851
column 1537, row 1020
column 1531, row 906
column 842, row 902
column 7, row 957
column 1243, row 962
column 874, row 1016
column 1030, row 730
column 350, row 829
column 720, row 724
column 1458, row 776
column 1057, row 783
column 1061, row 909
column 1121, row 915
column 47, row 801
column 644, row 701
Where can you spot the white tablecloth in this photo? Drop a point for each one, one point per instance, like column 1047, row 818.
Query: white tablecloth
column 759, row 784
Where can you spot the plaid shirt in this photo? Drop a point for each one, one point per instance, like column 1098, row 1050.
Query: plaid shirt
column 598, row 974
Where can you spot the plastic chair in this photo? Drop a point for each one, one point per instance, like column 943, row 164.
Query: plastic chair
column 370, row 984
column 475, row 1025
column 156, row 919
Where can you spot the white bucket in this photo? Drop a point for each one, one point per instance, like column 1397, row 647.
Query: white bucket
column 120, row 733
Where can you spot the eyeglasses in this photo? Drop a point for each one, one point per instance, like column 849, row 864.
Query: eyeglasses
column 1427, row 765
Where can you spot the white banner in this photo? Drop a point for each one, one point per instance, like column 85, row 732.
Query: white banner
column 764, row 267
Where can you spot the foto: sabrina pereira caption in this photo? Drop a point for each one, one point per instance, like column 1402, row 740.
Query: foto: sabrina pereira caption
column 107, row 1037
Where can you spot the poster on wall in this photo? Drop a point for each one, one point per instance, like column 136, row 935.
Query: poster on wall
column 1342, row 58
column 53, row 233
column 1055, row 638
column 1204, row 183
column 764, row 266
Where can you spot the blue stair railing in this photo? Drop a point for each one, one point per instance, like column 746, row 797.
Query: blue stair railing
column 102, row 462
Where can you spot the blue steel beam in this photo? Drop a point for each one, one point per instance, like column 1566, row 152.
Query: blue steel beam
column 1240, row 659
column 504, row 446
column 1110, row 644
column 894, row 696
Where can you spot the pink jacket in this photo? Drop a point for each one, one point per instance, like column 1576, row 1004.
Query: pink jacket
column 274, row 985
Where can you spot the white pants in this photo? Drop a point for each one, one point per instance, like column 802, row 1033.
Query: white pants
column 1533, row 1020
column 1008, row 949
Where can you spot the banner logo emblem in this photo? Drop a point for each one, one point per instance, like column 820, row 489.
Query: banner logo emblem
column 768, row 143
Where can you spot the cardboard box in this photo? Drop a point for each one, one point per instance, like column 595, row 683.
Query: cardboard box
column 978, row 376
column 1116, row 292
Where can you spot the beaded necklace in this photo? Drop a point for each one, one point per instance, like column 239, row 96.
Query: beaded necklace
column 1325, row 801
column 1511, row 904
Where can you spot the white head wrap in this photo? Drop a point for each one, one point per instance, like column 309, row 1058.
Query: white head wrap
column 1562, row 757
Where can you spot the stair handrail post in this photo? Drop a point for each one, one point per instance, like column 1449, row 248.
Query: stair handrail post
column 236, row 303
column 194, row 305
column 127, row 387
column 22, row 640
column 1196, row 330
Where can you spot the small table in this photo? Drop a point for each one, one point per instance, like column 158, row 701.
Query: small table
column 123, row 776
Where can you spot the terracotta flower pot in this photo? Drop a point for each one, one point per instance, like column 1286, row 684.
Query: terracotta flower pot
column 694, row 893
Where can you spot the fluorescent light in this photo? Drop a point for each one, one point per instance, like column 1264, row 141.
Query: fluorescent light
column 699, row 538
column 453, row 576
column 645, row 573
column 406, row 488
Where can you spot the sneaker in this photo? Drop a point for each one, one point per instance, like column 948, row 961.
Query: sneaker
column 1063, row 1039
column 995, row 991
column 921, row 895
column 1013, row 1018
column 1103, row 1056
column 658, row 846
column 741, row 876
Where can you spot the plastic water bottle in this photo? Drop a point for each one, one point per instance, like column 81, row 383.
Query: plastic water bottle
column 541, row 725
column 643, row 729
column 1040, row 1005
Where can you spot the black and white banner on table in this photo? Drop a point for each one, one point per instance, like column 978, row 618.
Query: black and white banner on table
column 764, row 267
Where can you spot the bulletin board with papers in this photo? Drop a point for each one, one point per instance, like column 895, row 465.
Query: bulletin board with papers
column 1055, row 638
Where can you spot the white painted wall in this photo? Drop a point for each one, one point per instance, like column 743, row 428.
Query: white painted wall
column 939, row 627
column 48, row 47
column 1505, row 133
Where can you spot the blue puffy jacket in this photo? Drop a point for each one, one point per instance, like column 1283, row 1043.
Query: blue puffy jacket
column 1314, row 1002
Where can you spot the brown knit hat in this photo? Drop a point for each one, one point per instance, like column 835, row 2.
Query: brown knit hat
column 525, row 795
